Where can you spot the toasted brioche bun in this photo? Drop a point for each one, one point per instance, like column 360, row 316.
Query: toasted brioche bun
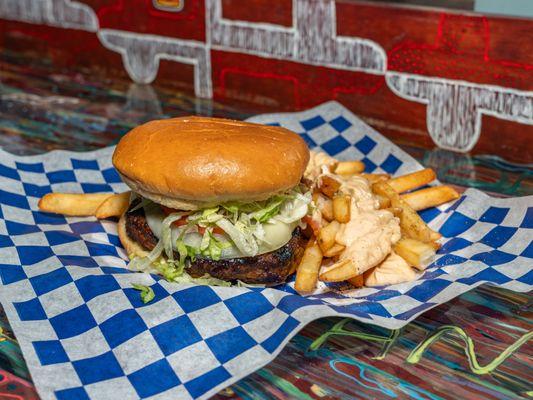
column 191, row 162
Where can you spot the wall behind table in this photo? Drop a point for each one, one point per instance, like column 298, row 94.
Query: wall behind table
column 458, row 81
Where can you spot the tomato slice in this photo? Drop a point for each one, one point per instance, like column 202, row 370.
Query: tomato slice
column 183, row 221
column 216, row 229
column 168, row 210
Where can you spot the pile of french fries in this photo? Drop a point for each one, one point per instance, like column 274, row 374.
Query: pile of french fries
column 418, row 242
column 320, row 260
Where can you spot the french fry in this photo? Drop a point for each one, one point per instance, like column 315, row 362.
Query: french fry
column 341, row 208
column 72, row 204
column 435, row 236
column 334, row 250
column 412, row 181
column 114, row 206
column 340, row 271
column 329, row 186
column 375, row 178
column 326, row 236
column 313, row 225
column 430, row 197
column 324, row 205
column 357, row 281
column 307, row 272
column 417, row 254
column 349, row 167
column 384, row 202
column 396, row 211
column 386, row 194
column 411, row 224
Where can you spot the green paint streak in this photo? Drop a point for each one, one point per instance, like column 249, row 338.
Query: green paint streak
column 418, row 352
column 284, row 385
column 338, row 329
column 416, row 355
column 393, row 337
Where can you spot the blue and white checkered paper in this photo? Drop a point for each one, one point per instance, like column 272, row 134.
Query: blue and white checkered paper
column 85, row 333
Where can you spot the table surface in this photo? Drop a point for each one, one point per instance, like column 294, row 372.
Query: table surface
column 42, row 108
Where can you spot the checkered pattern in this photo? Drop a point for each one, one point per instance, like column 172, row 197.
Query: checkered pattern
column 86, row 334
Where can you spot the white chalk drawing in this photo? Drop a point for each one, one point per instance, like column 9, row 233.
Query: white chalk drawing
column 455, row 108
column 60, row 13
column 141, row 54
column 312, row 38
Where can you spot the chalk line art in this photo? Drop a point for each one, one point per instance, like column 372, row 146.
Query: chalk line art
column 312, row 38
column 141, row 54
column 455, row 107
column 60, row 13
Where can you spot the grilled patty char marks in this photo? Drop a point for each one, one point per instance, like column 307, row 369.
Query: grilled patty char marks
column 268, row 268
column 138, row 229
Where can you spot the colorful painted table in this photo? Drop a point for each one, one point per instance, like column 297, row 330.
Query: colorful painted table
column 43, row 109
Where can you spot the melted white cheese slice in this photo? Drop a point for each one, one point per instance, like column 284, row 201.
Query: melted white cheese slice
column 277, row 233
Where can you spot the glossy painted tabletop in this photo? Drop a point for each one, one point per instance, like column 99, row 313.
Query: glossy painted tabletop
column 42, row 108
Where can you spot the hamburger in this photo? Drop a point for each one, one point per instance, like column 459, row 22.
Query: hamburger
column 214, row 199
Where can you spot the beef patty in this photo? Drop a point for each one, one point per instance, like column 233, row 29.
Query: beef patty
column 268, row 268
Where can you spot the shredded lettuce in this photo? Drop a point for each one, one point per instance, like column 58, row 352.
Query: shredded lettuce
column 240, row 236
column 203, row 280
column 295, row 210
column 213, row 247
column 243, row 225
column 271, row 209
column 145, row 263
column 166, row 236
column 167, row 270
column 209, row 211
column 147, row 293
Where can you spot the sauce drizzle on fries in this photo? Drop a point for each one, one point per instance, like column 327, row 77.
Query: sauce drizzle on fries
column 415, row 248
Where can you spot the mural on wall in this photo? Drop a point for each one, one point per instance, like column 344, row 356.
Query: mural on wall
column 454, row 105
column 454, row 108
column 61, row 13
column 141, row 54
column 312, row 39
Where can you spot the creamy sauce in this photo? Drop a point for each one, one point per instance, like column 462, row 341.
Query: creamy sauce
column 390, row 272
column 370, row 233
column 319, row 162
